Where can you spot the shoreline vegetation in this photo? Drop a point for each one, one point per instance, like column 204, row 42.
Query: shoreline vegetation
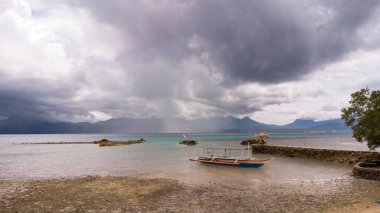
column 103, row 142
column 136, row 194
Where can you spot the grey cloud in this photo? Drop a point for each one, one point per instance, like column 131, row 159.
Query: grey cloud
column 42, row 101
column 41, row 98
column 223, row 43
column 255, row 41
column 329, row 107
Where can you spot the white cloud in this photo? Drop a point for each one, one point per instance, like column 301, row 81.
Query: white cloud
column 323, row 93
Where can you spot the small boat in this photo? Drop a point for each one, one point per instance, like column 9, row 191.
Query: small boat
column 209, row 158
column 235, row 162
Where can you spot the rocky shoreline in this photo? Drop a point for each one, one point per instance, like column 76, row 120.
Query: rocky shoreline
column 105, row 142
column 340, row 156
column 133, row 194
column 359, row 158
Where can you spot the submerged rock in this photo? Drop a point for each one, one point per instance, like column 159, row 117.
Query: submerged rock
column 189, row 142
column 105, row 142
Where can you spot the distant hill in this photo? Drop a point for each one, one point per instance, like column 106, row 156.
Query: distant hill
column 31, row 125
column 301, row 123
column 310, row 125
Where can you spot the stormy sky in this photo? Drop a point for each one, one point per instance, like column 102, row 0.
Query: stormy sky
column 274, row 61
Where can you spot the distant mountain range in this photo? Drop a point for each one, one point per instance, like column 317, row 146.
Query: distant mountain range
column 29, row 125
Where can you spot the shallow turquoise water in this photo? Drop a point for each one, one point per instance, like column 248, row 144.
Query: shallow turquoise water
column 162, row 156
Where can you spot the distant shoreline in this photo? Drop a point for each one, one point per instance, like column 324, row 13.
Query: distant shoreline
column 39, row 143
column 103, row 142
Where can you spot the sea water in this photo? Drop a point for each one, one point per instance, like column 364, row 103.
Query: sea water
column 162, row 156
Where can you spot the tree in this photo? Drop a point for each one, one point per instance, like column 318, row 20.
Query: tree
column 364, row 116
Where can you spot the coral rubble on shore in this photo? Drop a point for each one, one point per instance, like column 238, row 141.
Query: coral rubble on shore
column 131, row 194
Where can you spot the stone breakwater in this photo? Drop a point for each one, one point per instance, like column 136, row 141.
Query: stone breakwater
column 368, row 170
column 341, row 156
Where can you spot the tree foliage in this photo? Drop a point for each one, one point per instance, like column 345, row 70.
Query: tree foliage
column 364, row 116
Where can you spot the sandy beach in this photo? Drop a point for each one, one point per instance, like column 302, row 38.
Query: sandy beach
column 135, row 194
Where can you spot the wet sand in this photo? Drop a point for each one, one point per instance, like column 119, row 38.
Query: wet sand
column 135, row 194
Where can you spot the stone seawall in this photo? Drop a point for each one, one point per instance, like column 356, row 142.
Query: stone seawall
column 368, row 170
column 341, row 156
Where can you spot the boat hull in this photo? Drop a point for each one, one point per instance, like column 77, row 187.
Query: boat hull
column 252, row 165
column 239, row 163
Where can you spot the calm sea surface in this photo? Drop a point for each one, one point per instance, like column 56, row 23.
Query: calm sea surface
column 162, row 156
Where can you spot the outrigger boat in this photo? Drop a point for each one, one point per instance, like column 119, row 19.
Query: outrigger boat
column 226, row 159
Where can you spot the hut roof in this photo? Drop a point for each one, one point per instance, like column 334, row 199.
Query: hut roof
column 262, row 135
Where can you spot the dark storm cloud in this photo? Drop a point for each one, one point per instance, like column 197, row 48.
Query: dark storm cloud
column 39, row 99
column 15, row 102
column 23, row 103
column 256, row 41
